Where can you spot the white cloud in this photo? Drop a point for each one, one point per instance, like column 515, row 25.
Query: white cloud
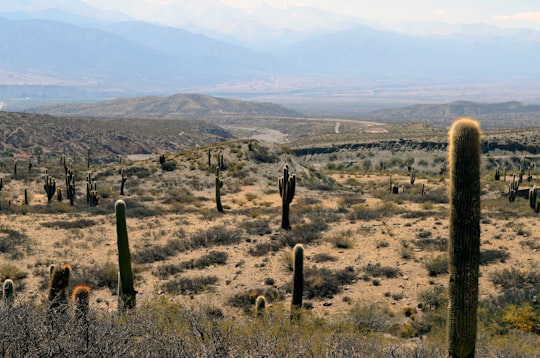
column 439, row 12
column 527, row 16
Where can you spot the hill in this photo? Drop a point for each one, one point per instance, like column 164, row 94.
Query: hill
column 504, row 114
column 179, row 105
column 27, row 134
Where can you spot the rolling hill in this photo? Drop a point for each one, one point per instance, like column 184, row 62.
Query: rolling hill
column 183, row 105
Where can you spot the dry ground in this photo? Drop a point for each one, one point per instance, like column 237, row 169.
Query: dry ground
column 180, row 203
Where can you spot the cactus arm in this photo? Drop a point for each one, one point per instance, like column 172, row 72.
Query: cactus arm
column 464, row 243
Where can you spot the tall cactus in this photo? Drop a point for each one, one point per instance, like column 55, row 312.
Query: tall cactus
column 260, row 305
column 126, row 290
column 50, row 188
column 298, row 280
column 287, row 185
column 58, row 282
column 464, row 243
column 123, row 181
column 219, row 185
column 8, row 292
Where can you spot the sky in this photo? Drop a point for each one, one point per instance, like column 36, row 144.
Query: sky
column 503, row 13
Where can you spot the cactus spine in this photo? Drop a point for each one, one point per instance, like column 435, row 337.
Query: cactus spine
column 126, row 291
column 464, row 243
column 298, row 280
column 81, row 300
column 287, row 185
column 58, row 282
column 219, row 185
column 8, row 292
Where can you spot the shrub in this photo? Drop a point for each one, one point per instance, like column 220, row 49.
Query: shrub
column 325, row 283
column 324, row 257
column 187, row 286
column 161, row 252
column 212, row 258
column 342, row 240
column 437, row 265
column 246, row 300
column 429, row 244
column 11, row 241
column 378, row 270
column 370, row 317
column 257, row 227
column 525, row 317
column 263, row 248
column 217, row 235
column 12, row 272
column 492, row 255
column 169, row 166
column 97, row 276
column 69, row 225
column 513, row 279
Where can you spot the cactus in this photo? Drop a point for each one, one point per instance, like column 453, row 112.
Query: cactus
column 25, row 197
column 59, row 194
column 260, row 305
column 70, row 186
column 413, row 176
column 464, row 243
column 81, row 299
column 58, row 282
column 287, row 185
column 219, row 185
column 162, row 159
column 123, row 181
column 497, row 174
column 50, row 188
column 126, row 291
column 15, row 167
column 298, row 280
column 8, row 289
column 209, row 158
column 88, row 159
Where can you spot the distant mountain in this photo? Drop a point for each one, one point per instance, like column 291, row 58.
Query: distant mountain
column 84, row 52
column 180, row 105
column 505, row 114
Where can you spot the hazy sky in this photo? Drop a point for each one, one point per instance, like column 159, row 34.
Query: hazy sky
column 504, row 13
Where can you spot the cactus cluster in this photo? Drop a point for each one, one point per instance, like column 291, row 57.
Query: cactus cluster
column 464, row 237
column 92, row 197
column 58, row 282
column 81, row 300
column 287, row 186
column 50, row 187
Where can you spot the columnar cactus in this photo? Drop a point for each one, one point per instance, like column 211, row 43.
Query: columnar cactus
column 497, row 174
column 209, row 158
column 58, row 282
column 8, row 292
column 219, row 185
column 287, row 185
column 298, row 280
column 81, row 300
column 123, row 181
column 413, row 176
column 464, row 243
column 126, row 290
column 26, row 197
column 70, row 186
column 50, row 188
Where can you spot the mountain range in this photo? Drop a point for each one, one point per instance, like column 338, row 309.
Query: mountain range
column 51, row 49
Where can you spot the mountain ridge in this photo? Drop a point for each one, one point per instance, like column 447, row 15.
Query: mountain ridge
column 186, row 105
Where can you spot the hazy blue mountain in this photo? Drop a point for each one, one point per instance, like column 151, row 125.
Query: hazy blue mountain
column 127, row 57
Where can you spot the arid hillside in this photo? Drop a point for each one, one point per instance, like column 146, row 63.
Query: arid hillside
column 365, row 242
